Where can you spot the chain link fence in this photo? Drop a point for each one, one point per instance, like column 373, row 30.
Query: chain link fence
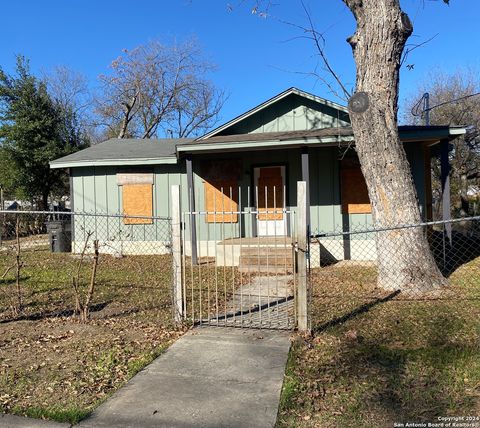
column 428, row 262
column 56, row 263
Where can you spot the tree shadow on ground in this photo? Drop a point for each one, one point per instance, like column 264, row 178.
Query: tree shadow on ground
column 413, row 357
column 450, row 255
column 413, row 382
column 38, row 316
column 354, row 313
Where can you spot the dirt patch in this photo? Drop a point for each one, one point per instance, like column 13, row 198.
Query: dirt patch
column 60, row 363
column 51, row 365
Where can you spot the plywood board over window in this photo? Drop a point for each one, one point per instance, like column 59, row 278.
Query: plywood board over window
column 137, row 197
column 221, row 201
column 221, row 189
column 270, row 194
column 355, row 198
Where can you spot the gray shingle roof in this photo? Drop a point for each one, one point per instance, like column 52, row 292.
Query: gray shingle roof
column 128, row 151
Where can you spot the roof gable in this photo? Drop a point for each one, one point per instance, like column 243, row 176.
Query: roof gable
column 291, row 110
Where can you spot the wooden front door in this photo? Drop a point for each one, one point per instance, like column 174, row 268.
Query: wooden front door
column 270, row 200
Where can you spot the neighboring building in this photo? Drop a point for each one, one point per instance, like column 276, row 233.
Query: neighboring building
column 251, row 163
column 473, row 192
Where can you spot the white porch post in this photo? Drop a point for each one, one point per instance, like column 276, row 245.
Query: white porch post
column 302, row 301
column 177, row 254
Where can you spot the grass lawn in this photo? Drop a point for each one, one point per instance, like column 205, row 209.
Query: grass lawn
column 52, row 366
column 374, row 361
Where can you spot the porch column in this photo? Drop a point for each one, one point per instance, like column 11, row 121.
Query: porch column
column 306, row 178
column 191, row 208
column 303, row 322
column 445, row 177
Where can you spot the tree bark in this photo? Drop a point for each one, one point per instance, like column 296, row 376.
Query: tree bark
column 405, row 261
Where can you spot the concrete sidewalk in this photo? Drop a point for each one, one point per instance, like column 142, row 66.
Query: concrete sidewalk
column 12, row 421
column 211, row 377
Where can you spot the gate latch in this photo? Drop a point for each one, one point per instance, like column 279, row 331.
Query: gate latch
column 297, row 248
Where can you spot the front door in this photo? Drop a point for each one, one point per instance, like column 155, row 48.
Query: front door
column 270, row 200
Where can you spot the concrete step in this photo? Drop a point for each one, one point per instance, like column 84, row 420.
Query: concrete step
column 254, row 251
column 266, row 259
column 263, row 268
column 274, row 260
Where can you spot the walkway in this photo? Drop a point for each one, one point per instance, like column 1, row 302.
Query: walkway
column 211, row 377
column 264, row 302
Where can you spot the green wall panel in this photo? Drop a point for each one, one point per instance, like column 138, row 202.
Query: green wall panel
column 96, row 190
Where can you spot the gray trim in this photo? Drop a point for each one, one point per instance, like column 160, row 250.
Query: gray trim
column 248, row 145
column 114, row 162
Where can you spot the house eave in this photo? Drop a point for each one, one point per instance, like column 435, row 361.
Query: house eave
column 263, row 145
column 115, row 162
column 407, row 135
column 432, row 135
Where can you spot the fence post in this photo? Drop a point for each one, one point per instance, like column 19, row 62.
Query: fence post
column 177, row 253
column 302, row 254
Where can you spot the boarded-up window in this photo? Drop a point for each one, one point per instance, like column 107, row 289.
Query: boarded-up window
column 355, row 198
column 137, row 201
column 221, row 189
column 137, row 197
column 270, row 194
column 221, row 201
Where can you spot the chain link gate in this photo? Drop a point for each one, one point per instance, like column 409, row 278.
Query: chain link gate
column 236, row 280
column 231, row 270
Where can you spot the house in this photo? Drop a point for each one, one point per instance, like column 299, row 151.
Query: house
column 240, row 178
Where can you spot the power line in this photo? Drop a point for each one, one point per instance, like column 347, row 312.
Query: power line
column 426, row 108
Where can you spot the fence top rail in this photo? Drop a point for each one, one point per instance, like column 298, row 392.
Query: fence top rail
column 78, row 213
column 268, row 211
column 402, row 226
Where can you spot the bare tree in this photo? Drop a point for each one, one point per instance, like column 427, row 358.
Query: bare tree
column 70, row 91
column 378, row 44
column 155, row 88
column 454, row 100
column 405, row 259
column 83, row 302
column 68, row 88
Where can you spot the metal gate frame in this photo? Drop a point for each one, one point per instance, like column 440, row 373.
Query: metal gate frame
column 230, row 307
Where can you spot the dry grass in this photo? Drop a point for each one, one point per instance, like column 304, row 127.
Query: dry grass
column 376, row 359
column 51, row 366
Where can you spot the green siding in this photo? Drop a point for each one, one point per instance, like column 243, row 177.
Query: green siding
column 293, row 113
column 289, row 158
column 95, row 190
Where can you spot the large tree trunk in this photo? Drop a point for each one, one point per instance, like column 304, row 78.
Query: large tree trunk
column 404, row 258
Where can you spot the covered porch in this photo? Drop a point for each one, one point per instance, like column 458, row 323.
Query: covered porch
column 243, row 187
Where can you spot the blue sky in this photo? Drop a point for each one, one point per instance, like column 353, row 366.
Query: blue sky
column 256, row 57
